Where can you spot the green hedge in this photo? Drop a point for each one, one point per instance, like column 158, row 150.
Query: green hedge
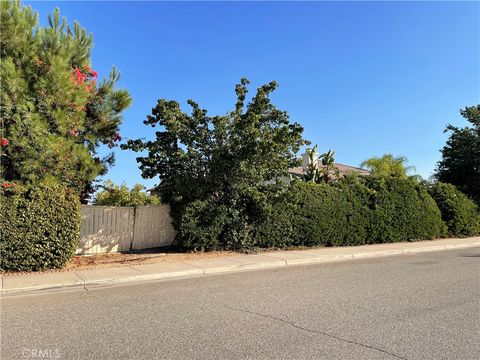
column 40, row 227
column 402, row 210
column 459, row 212
column 327, row 215
column 275, row 229
column 351, row 212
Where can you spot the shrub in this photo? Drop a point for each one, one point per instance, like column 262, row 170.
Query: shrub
column 315, row 214
column 352, row 211
column 358, row 195
column 275, row 228
column 200, row 225
column 458, row 211
column 402, row 210
column 40, row 227
column 325, row 215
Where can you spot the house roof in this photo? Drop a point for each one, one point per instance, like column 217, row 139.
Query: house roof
column 342, row 168
column 298, row 171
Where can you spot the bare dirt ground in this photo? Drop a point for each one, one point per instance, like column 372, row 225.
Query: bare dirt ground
column 147, row 256
column 151, row 256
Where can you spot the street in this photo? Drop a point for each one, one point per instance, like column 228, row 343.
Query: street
column 423, row 306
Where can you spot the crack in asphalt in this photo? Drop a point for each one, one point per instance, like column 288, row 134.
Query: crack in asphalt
column 291, row 323
column 83, row 282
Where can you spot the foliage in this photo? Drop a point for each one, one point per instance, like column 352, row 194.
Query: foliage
column 275, row 228
column 231, row 161
column 326, row 215
column 355, row 210
column 402, row 210
column 352, row 211
column 460, row 163
column 312, row 172
column 459, row 212
column 325, row 174
column 55, row 115
column 201, row 225
column 328, row 172
column 39, row 227
column 388, row 166
column 115, row 195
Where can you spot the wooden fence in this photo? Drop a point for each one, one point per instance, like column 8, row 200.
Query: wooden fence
column 106, row 229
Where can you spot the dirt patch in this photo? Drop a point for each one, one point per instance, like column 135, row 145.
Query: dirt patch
column 148, row 256
column 151, row 256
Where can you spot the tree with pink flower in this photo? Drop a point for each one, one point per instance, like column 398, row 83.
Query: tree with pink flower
column 56, row 113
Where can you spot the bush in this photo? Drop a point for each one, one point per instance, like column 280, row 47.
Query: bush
column 40, row 227
column 200, row 226
column 275, row 228
column 326, row 215
column 458, row 211
column 402, row 210
column 315, row 214
column 352, row 211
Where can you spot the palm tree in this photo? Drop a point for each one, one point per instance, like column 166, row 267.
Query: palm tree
column 329, row 172
column 389, row 165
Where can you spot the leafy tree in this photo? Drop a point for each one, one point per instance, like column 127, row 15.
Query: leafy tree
column 388, row 166
column 114, row 195
column 460, row 163
column 55, row 115
column 227, row 160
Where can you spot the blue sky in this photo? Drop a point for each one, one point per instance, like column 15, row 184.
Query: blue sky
column 363, row 78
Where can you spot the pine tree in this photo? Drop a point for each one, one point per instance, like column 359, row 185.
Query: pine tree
column 54, row 114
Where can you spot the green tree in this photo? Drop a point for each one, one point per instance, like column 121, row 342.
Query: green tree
column 388, row 166
column 115, row 195
column 54, row 113
column 460, row 163
column 227, row 160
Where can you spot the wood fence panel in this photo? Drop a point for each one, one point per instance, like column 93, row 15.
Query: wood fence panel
column 153, row 227
column 107, row 229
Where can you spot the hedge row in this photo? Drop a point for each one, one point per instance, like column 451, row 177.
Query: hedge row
column 353, row 211
column 459, row 213
column 39, row 227
column 402, row 210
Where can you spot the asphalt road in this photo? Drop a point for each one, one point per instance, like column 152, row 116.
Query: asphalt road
column 424, row 306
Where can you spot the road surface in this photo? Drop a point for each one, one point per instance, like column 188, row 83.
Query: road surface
column 423, row 306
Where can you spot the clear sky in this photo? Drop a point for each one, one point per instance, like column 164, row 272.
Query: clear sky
column 363, row 78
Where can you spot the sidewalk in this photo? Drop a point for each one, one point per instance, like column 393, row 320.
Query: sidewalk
column 90, row 279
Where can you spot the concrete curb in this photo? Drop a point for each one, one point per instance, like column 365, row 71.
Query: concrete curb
column 85, row 279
